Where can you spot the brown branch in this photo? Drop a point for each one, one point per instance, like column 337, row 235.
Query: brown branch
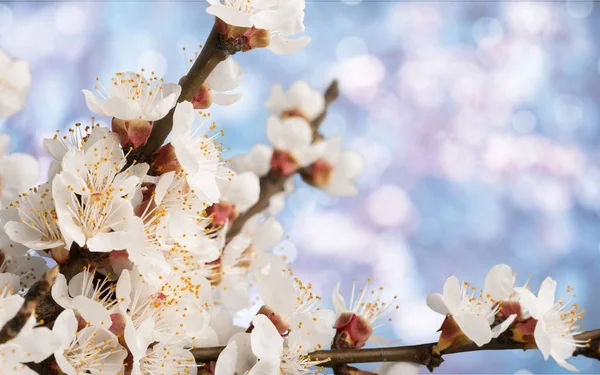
column 420, row 354
column 34, row 295
column 210, row 56
column 273, row 183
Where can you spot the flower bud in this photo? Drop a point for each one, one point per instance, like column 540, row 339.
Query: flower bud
column 132, row 132
column 352, row 331
column 165, row 159
column 282, row 325
column 222, row 212
column 203, row 98
column 283, row 163
column 318, row 174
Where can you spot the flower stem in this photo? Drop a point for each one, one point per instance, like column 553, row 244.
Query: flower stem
column 271, row 183
column 210, row 56
column 420, row 354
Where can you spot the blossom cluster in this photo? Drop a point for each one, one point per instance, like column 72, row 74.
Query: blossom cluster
column 156, row 257
column 499, row 308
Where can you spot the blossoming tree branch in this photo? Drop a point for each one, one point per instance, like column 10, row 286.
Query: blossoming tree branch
column 158, row 246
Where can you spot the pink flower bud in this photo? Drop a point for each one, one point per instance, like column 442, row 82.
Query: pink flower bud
column 222, row 212
column 318, row 174
column 203, row 98
column 165, row 159
column 353, row 331
column 132, row 132
column 283, row 163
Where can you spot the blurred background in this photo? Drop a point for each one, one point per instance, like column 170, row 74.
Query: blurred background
column 478, row 121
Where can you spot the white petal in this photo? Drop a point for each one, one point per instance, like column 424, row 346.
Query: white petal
column 475, row 327
column 268, row 234
column 452, row 294
column 65, row 326
column 278, row 292
column 499, row 282
column 500, row 328
column 528, row 301
column 93, row 312
column 265, row 367
column 9, row 307
column 60, row 292
column 339, row 303
column 546, row 295
column 435, row 302
column 284, row 46
column 229, row 15
column 266, row 342
column 226, row 76
column 225, row 99
column 542, row 340
column 226, row 363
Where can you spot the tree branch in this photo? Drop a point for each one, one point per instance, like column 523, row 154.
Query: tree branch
column 34, row 295
column 210, row 56
column 421, row 354
column 272, row 184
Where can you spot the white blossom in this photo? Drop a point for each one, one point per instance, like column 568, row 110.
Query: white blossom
column 18, row 171
column 282, row 19
column 198, row 155
column 556, row 323
column 15, row 81
column 300, row 100
column 93, row 349
column 474, row 313
column 132, row 97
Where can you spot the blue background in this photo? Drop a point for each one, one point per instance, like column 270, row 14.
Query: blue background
column 478, row 122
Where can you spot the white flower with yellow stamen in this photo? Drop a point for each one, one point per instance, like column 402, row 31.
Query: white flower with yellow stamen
column 281, row 19
column 132, row 97
column 32, row 220
column 198, row 154
column 556, row 326
column 473, row 312
column 164, row 357
column 279, row 356
column 92, row 349
column 92, row 196
column 358, row 318
column 92, row 299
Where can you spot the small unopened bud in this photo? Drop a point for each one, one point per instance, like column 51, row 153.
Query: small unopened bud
column 132, row 132
column 283, row 163
column 222, row 212
column 318, row 174
column 60, row 254
column 352, row 331
column 165, row 159
column 203, row 98
column 282, row 325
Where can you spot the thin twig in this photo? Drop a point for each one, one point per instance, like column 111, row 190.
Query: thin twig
column 271, row 183
column 210, row 56
column 420, row 354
